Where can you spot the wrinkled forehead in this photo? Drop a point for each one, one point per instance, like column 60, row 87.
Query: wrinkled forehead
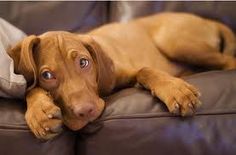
column 62, row 42
column 55, row 46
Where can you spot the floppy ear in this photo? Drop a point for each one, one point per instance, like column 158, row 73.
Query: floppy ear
column 24, row 64
column 104, row 65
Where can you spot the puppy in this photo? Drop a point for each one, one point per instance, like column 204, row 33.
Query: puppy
column 68, row 73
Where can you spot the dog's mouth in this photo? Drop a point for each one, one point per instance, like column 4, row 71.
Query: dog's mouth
column 75, row 124
column 75, row 120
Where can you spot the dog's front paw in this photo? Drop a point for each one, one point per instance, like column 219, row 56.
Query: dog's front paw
column 43, row 117
column 179, row 96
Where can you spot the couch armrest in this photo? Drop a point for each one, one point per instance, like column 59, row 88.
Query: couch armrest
column 134, row 123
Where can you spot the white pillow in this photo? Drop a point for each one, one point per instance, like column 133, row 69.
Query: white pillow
column 11, row 84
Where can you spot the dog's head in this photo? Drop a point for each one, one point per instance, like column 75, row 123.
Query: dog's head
column 68, row 66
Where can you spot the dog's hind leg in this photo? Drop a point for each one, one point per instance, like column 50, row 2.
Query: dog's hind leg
column 228, row 40
column 196, row 53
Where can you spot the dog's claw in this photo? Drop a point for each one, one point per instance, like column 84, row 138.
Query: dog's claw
column 50, row 116
column 176, row 110
column 199, row 94
column 198, row 104
column 47, row 129
column 176, row 106
column 44, row 133
column 190, row 106
column 57, row 114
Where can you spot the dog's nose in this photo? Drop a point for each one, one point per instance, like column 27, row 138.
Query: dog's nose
column 86, row 110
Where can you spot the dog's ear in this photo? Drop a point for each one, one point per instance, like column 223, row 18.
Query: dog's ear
column 24, row 64
column 104, row 65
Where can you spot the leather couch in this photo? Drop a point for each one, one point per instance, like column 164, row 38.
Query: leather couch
column 133, row 123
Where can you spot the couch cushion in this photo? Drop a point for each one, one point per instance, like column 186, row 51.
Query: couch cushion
column 16, row 138
column 135, row 123
column 11, row 84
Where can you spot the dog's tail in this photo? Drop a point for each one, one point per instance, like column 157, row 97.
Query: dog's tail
column 228, row 40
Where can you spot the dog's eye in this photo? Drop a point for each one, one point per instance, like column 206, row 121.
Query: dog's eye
column 84, row 62
column 47, row 75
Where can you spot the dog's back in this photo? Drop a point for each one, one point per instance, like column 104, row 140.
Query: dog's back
column 143, row 42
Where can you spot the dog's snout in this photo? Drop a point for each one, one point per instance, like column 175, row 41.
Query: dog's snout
column 85, row 111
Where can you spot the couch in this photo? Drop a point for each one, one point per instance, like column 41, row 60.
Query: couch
column 133, row 123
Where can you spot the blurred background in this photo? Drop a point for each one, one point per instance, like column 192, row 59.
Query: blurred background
column 38, row 17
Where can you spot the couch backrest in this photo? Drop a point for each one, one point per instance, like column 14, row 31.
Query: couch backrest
column 38, row 17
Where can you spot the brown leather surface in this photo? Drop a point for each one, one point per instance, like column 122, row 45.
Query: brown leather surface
column 136, row 124
column 16, row 138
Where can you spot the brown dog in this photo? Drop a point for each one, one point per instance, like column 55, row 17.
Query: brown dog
column 152, row 51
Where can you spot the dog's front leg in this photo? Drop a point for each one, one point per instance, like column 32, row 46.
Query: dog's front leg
column 179, row 96
column 42, row 116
